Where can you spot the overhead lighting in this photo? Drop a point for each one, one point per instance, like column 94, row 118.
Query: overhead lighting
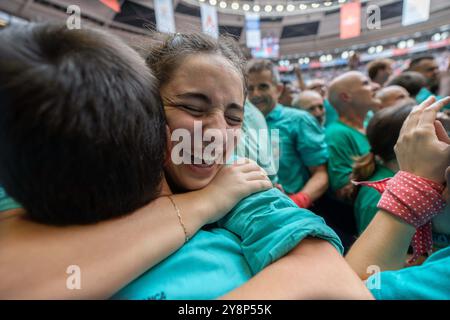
column 306, row 60
column 245, row 7
column 303, row 6
column 344, row 55
column 279, row 7
column 371, row 50
column 235, row 6
column 201, row 0
column 342, row 1
column 290, row 7
column 379, row 49
column 401, row 44
column 268, row 8
column 410, row 43
column 328, row 3
column 223, row 4
column 213, row 2
column 315, row 5
column 256, row 8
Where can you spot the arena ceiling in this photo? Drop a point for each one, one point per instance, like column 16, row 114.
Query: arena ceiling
column 309, row 28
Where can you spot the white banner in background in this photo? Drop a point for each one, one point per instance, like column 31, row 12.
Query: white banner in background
column 253, row 32
column 415, row 11
column 210, row 23
column 165, row 21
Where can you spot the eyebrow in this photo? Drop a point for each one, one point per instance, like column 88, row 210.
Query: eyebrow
column 195, row 95
column 205, row 99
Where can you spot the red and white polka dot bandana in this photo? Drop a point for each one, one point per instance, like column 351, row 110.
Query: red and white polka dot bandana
column 415, row 200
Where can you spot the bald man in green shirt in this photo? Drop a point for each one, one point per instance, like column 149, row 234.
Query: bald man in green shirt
column 302, row 154
column 353, row 96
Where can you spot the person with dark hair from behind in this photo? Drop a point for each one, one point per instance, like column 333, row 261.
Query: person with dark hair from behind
column 412, row 81
column 82, row 140
column 380, row 162
column 380, row 70
column 70, row 152
column 416, row 83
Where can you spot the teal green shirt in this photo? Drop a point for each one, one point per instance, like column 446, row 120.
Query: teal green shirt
column 301, row 145
column 431, row 280
column 423, row 95
column 7, row 203
column 365, row 207
column 344, row 143
column 256, row 142
column 331, row 114
column 368, row 117
column 261, row 229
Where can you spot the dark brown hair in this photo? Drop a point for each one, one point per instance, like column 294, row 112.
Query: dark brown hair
column 165, row 53
column 377, row 65
column 382, row 132
column 82, row 134
column 259, row 65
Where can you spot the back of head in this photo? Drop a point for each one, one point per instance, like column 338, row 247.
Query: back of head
column 82, row 128
column 376, row 66
column 412, row 81
column 339, row 86
column 382, row 132
column 415, row 62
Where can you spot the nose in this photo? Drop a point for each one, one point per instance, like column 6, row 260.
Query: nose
column 216, row 121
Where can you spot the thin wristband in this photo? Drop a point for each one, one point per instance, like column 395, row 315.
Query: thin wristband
column 180, row 219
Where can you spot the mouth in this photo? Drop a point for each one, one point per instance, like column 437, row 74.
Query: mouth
column 204, row 161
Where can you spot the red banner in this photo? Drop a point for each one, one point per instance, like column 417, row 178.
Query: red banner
column 113, row 4
column 350, row 20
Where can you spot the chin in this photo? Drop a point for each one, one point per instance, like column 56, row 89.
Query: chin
column 190, row 182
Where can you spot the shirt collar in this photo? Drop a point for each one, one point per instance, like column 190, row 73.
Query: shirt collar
column 276, row 113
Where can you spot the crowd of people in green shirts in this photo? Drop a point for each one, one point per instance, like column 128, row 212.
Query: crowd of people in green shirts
column 238, row 231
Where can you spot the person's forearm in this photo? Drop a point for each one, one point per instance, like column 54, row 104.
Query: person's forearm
column 313, row 270
column 444, row 87
column 384, row 244
column 34, row 257
column 301, row 82
column 316, row 185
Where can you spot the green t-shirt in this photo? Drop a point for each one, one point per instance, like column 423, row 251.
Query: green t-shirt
column 366, row 202
column 256, row 142
column 423, row 95
column 331, row 115
column 430, row 281
column 301, row 145
column 6, row 202
column 261, row 229
column 344, row 143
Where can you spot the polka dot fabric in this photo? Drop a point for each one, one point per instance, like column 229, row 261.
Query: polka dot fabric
column 415, row 200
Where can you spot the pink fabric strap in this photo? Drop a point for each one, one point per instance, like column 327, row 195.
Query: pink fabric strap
column 301, row 199
column 415, row 200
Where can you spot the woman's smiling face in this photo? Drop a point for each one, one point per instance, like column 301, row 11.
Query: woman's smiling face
column 208, row 90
